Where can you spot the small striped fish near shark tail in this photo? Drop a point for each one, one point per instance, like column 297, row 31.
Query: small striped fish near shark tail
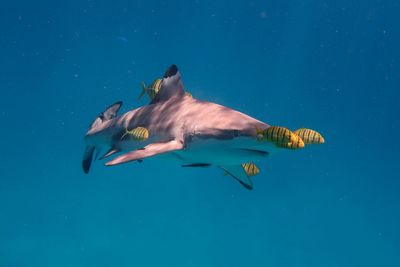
column 138, row 134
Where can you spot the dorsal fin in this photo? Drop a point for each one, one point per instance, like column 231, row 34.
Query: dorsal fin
column 172, row 85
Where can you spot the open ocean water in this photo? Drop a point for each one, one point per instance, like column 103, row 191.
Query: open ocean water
column 333, row 66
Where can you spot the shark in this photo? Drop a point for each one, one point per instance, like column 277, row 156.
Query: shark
column 193, row 132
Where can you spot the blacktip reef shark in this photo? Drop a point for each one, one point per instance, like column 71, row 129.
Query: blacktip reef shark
column 196, row 133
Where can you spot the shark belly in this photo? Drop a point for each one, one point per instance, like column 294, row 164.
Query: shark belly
column 223, row 152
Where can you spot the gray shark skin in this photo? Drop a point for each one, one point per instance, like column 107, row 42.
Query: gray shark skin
column 196, row 133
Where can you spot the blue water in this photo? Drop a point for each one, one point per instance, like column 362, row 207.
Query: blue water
column 333, row 66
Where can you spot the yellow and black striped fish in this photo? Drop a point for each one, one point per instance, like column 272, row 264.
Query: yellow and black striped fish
column 152, row 90
column 275, row 134
column 138, row 134
column 295, row 143
column 281, row 136
column 310, row 136
column 250, row 168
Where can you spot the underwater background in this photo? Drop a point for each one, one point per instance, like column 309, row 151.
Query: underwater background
column 333, row 66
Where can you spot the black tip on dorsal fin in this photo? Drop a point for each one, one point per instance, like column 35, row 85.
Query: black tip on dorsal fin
column 171, row 85
column 171, row 71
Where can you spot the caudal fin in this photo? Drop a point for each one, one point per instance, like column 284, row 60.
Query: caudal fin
column 108, row 114
column 87, row 158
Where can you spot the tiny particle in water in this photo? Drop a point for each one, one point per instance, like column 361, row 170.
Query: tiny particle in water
column 263, row 14
column 122, row 38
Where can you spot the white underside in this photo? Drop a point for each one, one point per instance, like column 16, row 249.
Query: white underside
column 224, row 152
column 208, row 151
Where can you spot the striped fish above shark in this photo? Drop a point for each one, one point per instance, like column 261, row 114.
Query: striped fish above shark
column 193, row 132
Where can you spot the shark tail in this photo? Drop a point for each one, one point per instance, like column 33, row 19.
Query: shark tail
column 87, row 158
column 109, row 113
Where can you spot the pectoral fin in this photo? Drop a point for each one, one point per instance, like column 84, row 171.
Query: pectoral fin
column 238, row 173
column 147, row 151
